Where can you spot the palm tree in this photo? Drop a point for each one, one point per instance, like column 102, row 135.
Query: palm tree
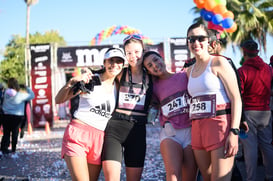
column 254, row 19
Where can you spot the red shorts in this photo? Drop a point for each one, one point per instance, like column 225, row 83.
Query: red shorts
column 82, row 140
column 211, row 133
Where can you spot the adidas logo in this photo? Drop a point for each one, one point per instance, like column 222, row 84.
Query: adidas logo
column 103, row 110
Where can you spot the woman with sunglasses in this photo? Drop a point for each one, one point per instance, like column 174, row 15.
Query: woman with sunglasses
column 125, row 134
column 175, row 134
column 215, row 108
column 83, row 137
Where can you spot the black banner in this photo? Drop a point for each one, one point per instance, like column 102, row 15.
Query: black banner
column 179, row 53
column 82, row 56
column 41, row 84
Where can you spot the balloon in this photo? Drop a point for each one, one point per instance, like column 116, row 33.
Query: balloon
column 210, row 4
column 208, row 15
column 217, row 19
column 200, row 3
column 232, row 29
column 228, row 14
column 203, row 12
column 220, row 9
column 114, row 30
column 215, row 27
column 223, row 2
column 227, row 23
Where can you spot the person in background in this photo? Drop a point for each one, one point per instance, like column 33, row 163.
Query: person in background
column 14, row 110
column 271, row 97
column 215, row 108
column 84, row 135
column 2, row 89
column 256, row 76
column 125, row 134
column 171, row 96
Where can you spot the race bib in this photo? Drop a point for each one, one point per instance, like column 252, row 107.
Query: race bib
column 174, row 105
column 132, row 101
column 203, row 107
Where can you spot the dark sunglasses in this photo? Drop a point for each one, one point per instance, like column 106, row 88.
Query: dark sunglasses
column 192, row 39
column 138, row 37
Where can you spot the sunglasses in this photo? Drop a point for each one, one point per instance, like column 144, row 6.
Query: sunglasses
column 192, row 39
column 138, row 37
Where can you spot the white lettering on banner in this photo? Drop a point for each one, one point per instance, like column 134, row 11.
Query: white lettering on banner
column 89, row 57
column 179, row 41
column 180, row 51
column 46, row 108
column 180, row 56
column 41, row 59
column 66, row 57
column 40, row 80
column 41, row 93
column 40, row 66
column 42, row 101
column 40, row 73
column 42, row 86
column 40, row 48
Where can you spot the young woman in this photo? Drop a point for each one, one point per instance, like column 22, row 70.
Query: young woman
column 83, row 137
column 125, row 134
column 170, row 93
column 14, row 110
column 215, row 108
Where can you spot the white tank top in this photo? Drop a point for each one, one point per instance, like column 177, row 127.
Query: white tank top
column 207, row 84
column 95, row 109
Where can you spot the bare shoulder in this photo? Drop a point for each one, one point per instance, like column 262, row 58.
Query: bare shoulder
column 219, row 61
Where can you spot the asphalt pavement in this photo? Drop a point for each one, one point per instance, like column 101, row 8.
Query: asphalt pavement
column 38, row 158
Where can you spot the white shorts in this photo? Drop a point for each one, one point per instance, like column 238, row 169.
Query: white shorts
column 182, row 136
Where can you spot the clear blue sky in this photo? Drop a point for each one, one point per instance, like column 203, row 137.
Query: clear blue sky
column 79, row 21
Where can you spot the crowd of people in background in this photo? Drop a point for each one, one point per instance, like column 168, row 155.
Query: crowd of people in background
column 202, row 111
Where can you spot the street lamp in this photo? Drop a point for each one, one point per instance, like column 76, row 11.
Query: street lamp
column 27, row 61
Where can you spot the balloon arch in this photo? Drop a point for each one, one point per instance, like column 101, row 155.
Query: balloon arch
column 115, row 30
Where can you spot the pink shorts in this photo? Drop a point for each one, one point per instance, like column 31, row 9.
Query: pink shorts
column 211, row 133
column 82, row 140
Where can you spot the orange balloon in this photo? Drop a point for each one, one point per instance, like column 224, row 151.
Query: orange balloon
column 220, row 9
column 228, row 14
column 210, row 4
column 233, row 28
column 200, row 3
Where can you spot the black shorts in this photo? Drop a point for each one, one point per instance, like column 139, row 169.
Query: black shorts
column 128, row 136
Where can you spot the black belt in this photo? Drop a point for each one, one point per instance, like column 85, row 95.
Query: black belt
column 131, row 118
column 222, row 112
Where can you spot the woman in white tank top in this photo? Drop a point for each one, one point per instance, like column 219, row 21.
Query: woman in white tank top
column 84, row 135
column 215, row 108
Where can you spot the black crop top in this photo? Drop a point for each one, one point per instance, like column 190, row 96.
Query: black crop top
column 132, row 96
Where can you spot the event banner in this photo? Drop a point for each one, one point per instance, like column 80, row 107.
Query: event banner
column 179, row 53
column 41, row 84
column 81, row 56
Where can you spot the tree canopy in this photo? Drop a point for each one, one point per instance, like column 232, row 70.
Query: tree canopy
column 13, row 64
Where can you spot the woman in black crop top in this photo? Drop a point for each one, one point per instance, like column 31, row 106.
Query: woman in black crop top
column 125, row 133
